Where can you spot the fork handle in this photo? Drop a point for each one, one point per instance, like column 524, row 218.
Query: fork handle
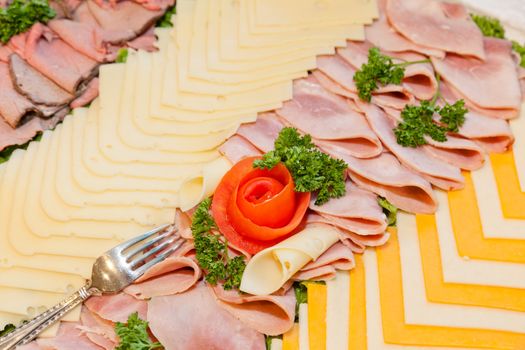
column 30, row 330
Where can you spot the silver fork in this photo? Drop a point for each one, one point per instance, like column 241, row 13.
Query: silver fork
column 112, row 272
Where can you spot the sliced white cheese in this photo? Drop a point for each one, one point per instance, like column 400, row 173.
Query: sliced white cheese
column 195, row 189
column 269, row 269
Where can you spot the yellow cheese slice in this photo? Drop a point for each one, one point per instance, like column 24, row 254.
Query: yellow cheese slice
column 197, row 188
column 291, row 338
column 136, row 138
column 269, row 269
column 511, row 197
column 316, row 315
column 517, row 126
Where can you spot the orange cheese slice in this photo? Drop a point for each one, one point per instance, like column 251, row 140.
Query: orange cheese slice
column 511, row 197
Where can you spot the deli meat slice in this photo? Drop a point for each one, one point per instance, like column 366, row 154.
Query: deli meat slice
column 432, row 24
column 360, row 209
column 494, row 135
column 25, row 132
column 268, row 314
column 69, row 337
column 116, row 308
column 237, row 148
column 326, row 116
column 88, row 95
column 98, row 330
column 263, row 132
column 194, row 320
column 13, row 105
column 337, row 257
column 439, row 173
column 481, row 81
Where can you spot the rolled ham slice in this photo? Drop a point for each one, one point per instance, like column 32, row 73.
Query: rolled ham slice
column 268, row 314
column 116, row 308
column 337, row 257
column 439, row 173
column 326, row 116
column 480, row 82
column 237, row 148
column 432, row 24
column 194, row 320
column 263, row 132
column 360, row 209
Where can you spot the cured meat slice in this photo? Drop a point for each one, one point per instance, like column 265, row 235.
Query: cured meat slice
column 145, row 41
column 82, row 36
column 440, row 174
column 116, row 308
column 382, row 35
column 35, row 86
column 480, row 81
column 431, row 24
column 98, row 330
column 263, row 132
column 175, row 323
column 88, row 95
column 360, row 209
column 268, row 314
column 13, row 105
column 337, row 257
column 5, row 51
column 237, row 148
column 326, row 116
column 69, row 337
column 58, row 61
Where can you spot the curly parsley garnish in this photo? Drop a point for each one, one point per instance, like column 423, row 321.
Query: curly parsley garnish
column 379, row 70
column 212, row 252
column 122, row 56
column 520, row 50
column 489, row 26
column 133, row 335
column 21, row 15
column 311, row 169
column 165, row 20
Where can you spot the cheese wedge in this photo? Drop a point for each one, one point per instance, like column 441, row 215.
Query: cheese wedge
column 269, row 269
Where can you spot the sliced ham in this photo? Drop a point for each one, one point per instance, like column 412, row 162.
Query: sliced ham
column 439, row 173
column 263, row 132
column 481, row 81
column 35, row 86
column 183, row 224
column 194, row 320
column 69, row 337
column 237, row 148
column 145, row 41
column 98, row 330
column 88, row 95
column 326, row 116
column 116, row 308
column 5, row 51
column 494, row 135
column 431, row 24
column 382, row 35
column 58, row 61
column 337, row 257
column 268, row 314
column 360, row 209
column 175, row 274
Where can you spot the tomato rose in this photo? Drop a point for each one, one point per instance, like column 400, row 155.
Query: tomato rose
column 256, row 208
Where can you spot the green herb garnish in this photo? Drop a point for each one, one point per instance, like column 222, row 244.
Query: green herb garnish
column 379, row 70
column 133, row 335
column 269, row 339
column 301, row 297
column 489, row 26
column 311, row 169
column 7, row 329
column 212, row 252
column 6, row 153
column 21, row 15
column 520, row 50
column 165, row 20
column 389, row 209
column 122, row 56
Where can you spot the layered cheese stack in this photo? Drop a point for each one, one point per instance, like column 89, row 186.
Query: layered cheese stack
column 115, row 169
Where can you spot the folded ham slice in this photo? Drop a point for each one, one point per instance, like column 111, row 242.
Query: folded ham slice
column 439, row 173
column 268, row 314
column 237, row 148
column 174, row 275
column 98, row 330
column 194, row 320
column 360, row 209
column 69, row 337
column 480, row 82
column 382, row 35
column 337, row 257
column 116, row 308
column 263, row 132
column 432, row 24
column 326, row 116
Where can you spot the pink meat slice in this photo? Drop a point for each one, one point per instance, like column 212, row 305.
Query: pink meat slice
column 480, row 81
column 401, row 186
column 13, row 105
column 263, row 132
column 88, row 95
column 55, row 59
column 326, row 116
column 237, row 148
column 82, row 36
column 17, row 43
column 382, row 35
column 439, row 173
column 117, row 308
column 337, row 257
column 431, row 24
column 5, row 51
column 359, row 207
column 69, row 337
column 175, row 323
column 25, row 132
column 145, row 41
column 98, row 330
column 268, row 314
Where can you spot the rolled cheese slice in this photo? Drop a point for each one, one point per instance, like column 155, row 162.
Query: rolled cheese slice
column 196, row 188
column 269, row 269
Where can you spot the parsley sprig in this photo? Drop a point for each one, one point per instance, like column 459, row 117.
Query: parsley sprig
column 133, row 335
column 212, row 252
column 311, row 169
column 21, row 15
column 7, row 329
column 418, row 122
column 379, row 70
column 520, row 50
column 165, row 20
